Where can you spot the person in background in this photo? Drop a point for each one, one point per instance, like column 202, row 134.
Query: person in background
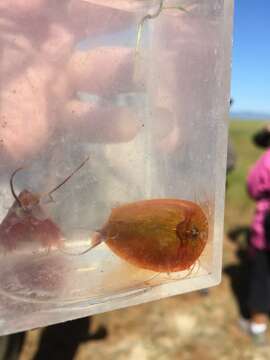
column 231, row 160
column 258, row 186
column 262, row 137
column 231, row 156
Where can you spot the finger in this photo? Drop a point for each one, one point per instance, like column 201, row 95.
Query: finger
column 23, row 123
column 100, row 124
column 117, row 4
column 86, row 18
column 17, row 50
column 166, row 133
column 80, row 17
column 22, row 8
column 103, row 71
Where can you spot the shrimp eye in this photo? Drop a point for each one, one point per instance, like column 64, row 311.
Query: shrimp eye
column 193, row 232
column 185, row 231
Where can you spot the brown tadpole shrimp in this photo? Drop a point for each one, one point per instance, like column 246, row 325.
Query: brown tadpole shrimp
column 162, row 235
column 27, row 221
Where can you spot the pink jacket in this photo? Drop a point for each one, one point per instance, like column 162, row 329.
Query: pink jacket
column 258, row 185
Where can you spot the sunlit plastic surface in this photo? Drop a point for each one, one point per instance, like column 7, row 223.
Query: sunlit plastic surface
column 145, row 98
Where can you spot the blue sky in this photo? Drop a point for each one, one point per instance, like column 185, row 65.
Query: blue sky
column 250, row 85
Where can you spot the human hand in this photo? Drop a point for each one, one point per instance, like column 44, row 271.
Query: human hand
column 42, row 71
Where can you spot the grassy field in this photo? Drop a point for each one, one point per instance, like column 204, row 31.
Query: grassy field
column 239, row 206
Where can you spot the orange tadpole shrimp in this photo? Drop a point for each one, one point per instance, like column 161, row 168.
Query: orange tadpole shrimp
column 26, row 220
column 162, row 235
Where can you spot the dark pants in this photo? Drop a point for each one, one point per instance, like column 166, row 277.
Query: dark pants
column 259, row 291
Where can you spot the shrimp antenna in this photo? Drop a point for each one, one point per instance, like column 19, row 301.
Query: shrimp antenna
column 67, row 178
column 98, row 239
column 143, row 20
column 12, row 186
column 153, row 16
